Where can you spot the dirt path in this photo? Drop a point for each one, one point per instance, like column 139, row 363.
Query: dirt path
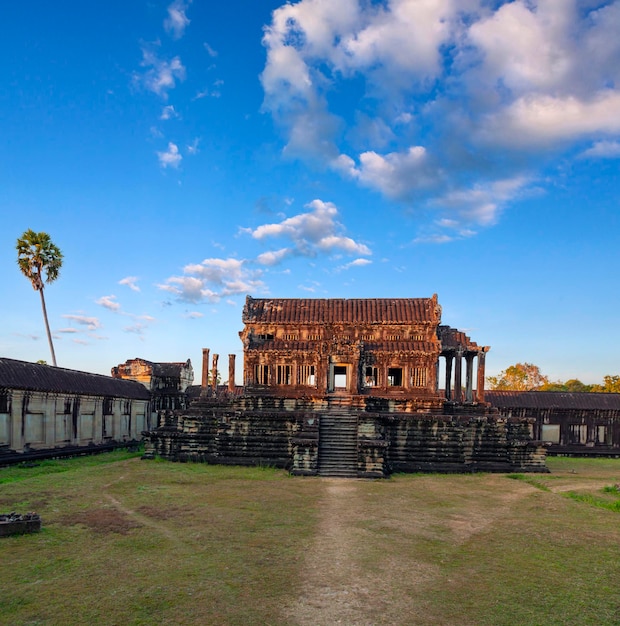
column 336, row 589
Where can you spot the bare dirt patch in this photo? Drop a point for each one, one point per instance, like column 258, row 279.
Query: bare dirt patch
column 162, row 514
column 102, row 521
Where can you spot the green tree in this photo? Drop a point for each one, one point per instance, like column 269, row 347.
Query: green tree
column 518, row 377
column 611, row 384
column 573, row 385
column 37, row 254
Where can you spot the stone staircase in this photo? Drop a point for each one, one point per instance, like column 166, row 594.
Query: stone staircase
column 338, row 442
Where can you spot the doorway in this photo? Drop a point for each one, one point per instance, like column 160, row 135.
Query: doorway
column 338, row 377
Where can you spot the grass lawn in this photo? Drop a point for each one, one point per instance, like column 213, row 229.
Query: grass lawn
column 126, row 541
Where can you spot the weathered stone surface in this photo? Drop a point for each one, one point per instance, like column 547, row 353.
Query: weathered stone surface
column 269, row 431
column 350, row 388
column 18, row 524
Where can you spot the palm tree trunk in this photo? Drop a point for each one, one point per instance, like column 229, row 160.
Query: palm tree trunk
column 47, row 328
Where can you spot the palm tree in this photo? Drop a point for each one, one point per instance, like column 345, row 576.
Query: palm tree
column 36, row 253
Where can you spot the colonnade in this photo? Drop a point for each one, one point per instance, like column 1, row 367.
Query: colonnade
column 454, row 361
column 214, row 371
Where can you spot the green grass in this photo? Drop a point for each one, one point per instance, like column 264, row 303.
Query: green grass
column 127, row 541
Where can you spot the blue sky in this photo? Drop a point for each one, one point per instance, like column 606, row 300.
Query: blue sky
column 185, row 154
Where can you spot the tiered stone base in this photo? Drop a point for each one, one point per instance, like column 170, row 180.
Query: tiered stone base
column 390, row 437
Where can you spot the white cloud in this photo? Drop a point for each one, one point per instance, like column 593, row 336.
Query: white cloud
column 310, row 232
column 397, row 174
column 67, row 330
column 603, row 150
column 168, row 113
column 355, row 263
column 161, row 75
column 171, row 157
column 192, row 148
column 480, row 204
column 131, row 282
column 545, row 120
column 210, row 51
column 177, row 21
column 454, row 95
column 212, row 279
column 188, row 289
column 274, row 257
column 437, row 238
column 91, row 323
column 108, row 302
column 194, row 315
column 137, row 329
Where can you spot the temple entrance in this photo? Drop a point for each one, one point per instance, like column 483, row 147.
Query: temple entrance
column 337, row 377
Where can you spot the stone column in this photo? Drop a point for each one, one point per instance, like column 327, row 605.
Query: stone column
column 436, row 375
column 231, row 372
column 458, row 376
column 214, row 372
column 448, row 389
column 469, row 379
column 205, row 368
column 481, row 357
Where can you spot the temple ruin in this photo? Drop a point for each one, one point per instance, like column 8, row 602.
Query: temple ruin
column 349, row 387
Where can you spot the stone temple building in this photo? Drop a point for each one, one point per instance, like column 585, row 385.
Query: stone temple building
column 373, row 347
column 167, row 382
column 349, row 387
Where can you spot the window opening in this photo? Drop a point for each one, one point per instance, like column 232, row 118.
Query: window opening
column 340, row 376
column 284, row 375
column 262, row 374
column 307, row 375
column 395, row 377
column 370, row 376
column 418, row 377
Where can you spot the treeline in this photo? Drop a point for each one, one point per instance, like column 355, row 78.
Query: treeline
column 528, row 377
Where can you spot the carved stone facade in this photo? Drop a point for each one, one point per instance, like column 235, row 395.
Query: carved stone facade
column 373, row 347
column 167, row 382
column 350, row 387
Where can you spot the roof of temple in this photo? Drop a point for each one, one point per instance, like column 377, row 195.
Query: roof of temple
column 38, row 377
column 552, row 400
column 357, row 310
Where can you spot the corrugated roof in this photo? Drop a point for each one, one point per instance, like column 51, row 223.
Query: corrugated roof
column 361, row 311
column 553, row 400
column 37, row 377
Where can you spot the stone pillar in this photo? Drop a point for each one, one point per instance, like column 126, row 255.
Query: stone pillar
column 205, row 368
column 458, row 376
column 469, row 378
column 437, row 375
column 214, row 372
column 481, row 357
column 231, row 372
column 448, row 389
column 18, row 415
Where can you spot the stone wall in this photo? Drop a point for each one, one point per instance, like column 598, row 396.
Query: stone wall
column 285, row 432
